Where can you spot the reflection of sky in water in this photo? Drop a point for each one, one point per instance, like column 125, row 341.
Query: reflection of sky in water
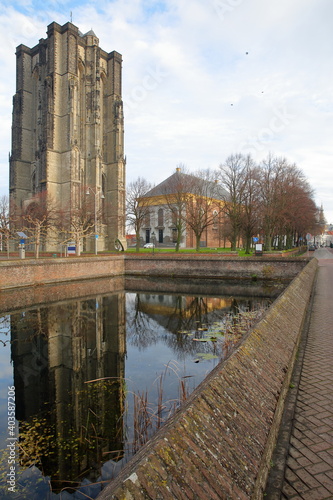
column 145, row 365
column 159, row 354
column 6, row 375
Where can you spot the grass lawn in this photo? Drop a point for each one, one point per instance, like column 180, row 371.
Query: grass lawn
column 204, row 250
column 187, row 250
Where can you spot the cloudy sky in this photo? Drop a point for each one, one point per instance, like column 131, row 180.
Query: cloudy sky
column 202, row 79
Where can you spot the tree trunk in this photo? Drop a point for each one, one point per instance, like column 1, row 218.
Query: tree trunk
column 268, row 241
column 233, row 241
column 77, row 244
column 179, row 235
column 137, row 242
column 37, row 244
column 247, row 244
column 197, row 239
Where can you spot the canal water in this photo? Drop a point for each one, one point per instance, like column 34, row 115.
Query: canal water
column 87, row 380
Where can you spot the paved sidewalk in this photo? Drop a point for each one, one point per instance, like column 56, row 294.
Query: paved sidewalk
column 308, row 457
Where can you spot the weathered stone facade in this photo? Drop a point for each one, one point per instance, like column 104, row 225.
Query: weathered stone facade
column 68, row 127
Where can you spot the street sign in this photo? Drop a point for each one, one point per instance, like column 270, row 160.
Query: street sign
column 258, row 250
column 71, row 249
column 255, row 239
column 22, row 235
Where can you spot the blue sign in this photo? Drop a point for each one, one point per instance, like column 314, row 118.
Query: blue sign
column 255, row 239
column 22, row 242
column 96, row 236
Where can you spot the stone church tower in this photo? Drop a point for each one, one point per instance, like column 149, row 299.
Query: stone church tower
column 68, row 128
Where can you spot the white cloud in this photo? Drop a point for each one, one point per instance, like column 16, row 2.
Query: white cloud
column 203, row 79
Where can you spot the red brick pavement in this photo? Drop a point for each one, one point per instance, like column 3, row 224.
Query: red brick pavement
column 309, row 466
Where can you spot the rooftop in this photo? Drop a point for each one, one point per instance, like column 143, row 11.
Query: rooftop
column 180, row 182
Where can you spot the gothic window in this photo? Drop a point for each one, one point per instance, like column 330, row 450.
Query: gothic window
column 103, row 117
column 81, row 119
column 33, row 183
column 76, row 196
column 35, row 107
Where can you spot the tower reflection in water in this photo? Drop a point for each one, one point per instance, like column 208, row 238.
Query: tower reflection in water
column 68, row 373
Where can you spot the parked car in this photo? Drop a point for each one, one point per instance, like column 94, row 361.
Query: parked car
column 312, row 248
column 149, row 245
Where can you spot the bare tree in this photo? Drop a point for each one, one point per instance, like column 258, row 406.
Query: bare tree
column 270, row 182
column 232, row 176
column 204, row 203
column 250, row 213
column 5, row 231
column 176, row 195
column 79, row 223
column 39, row 216
column 138, row 208
column 297, row 208
column 286, row 204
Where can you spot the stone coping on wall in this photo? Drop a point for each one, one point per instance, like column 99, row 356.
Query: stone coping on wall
column 220, row 443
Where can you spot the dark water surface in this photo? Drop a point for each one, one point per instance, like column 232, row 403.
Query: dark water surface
column 96, row 374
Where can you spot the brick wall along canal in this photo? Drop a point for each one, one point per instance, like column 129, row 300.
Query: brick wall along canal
column 95, row 376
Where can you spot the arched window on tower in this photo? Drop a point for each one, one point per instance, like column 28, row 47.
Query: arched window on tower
column 81, row 108
column 103, row 194
column 33, row 183
column 103, row 115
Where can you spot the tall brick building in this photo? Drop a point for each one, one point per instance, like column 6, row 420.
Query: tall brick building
column 68, row 128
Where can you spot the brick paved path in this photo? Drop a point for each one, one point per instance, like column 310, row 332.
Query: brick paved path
column 309, row 468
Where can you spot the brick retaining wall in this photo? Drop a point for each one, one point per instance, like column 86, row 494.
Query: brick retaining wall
column 33, row 272
column 13, row 299
column 214, row 266
column 20, row 273
column 219, row 445
column 198, row 286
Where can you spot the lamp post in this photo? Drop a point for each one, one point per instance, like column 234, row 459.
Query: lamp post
column 95, row 192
